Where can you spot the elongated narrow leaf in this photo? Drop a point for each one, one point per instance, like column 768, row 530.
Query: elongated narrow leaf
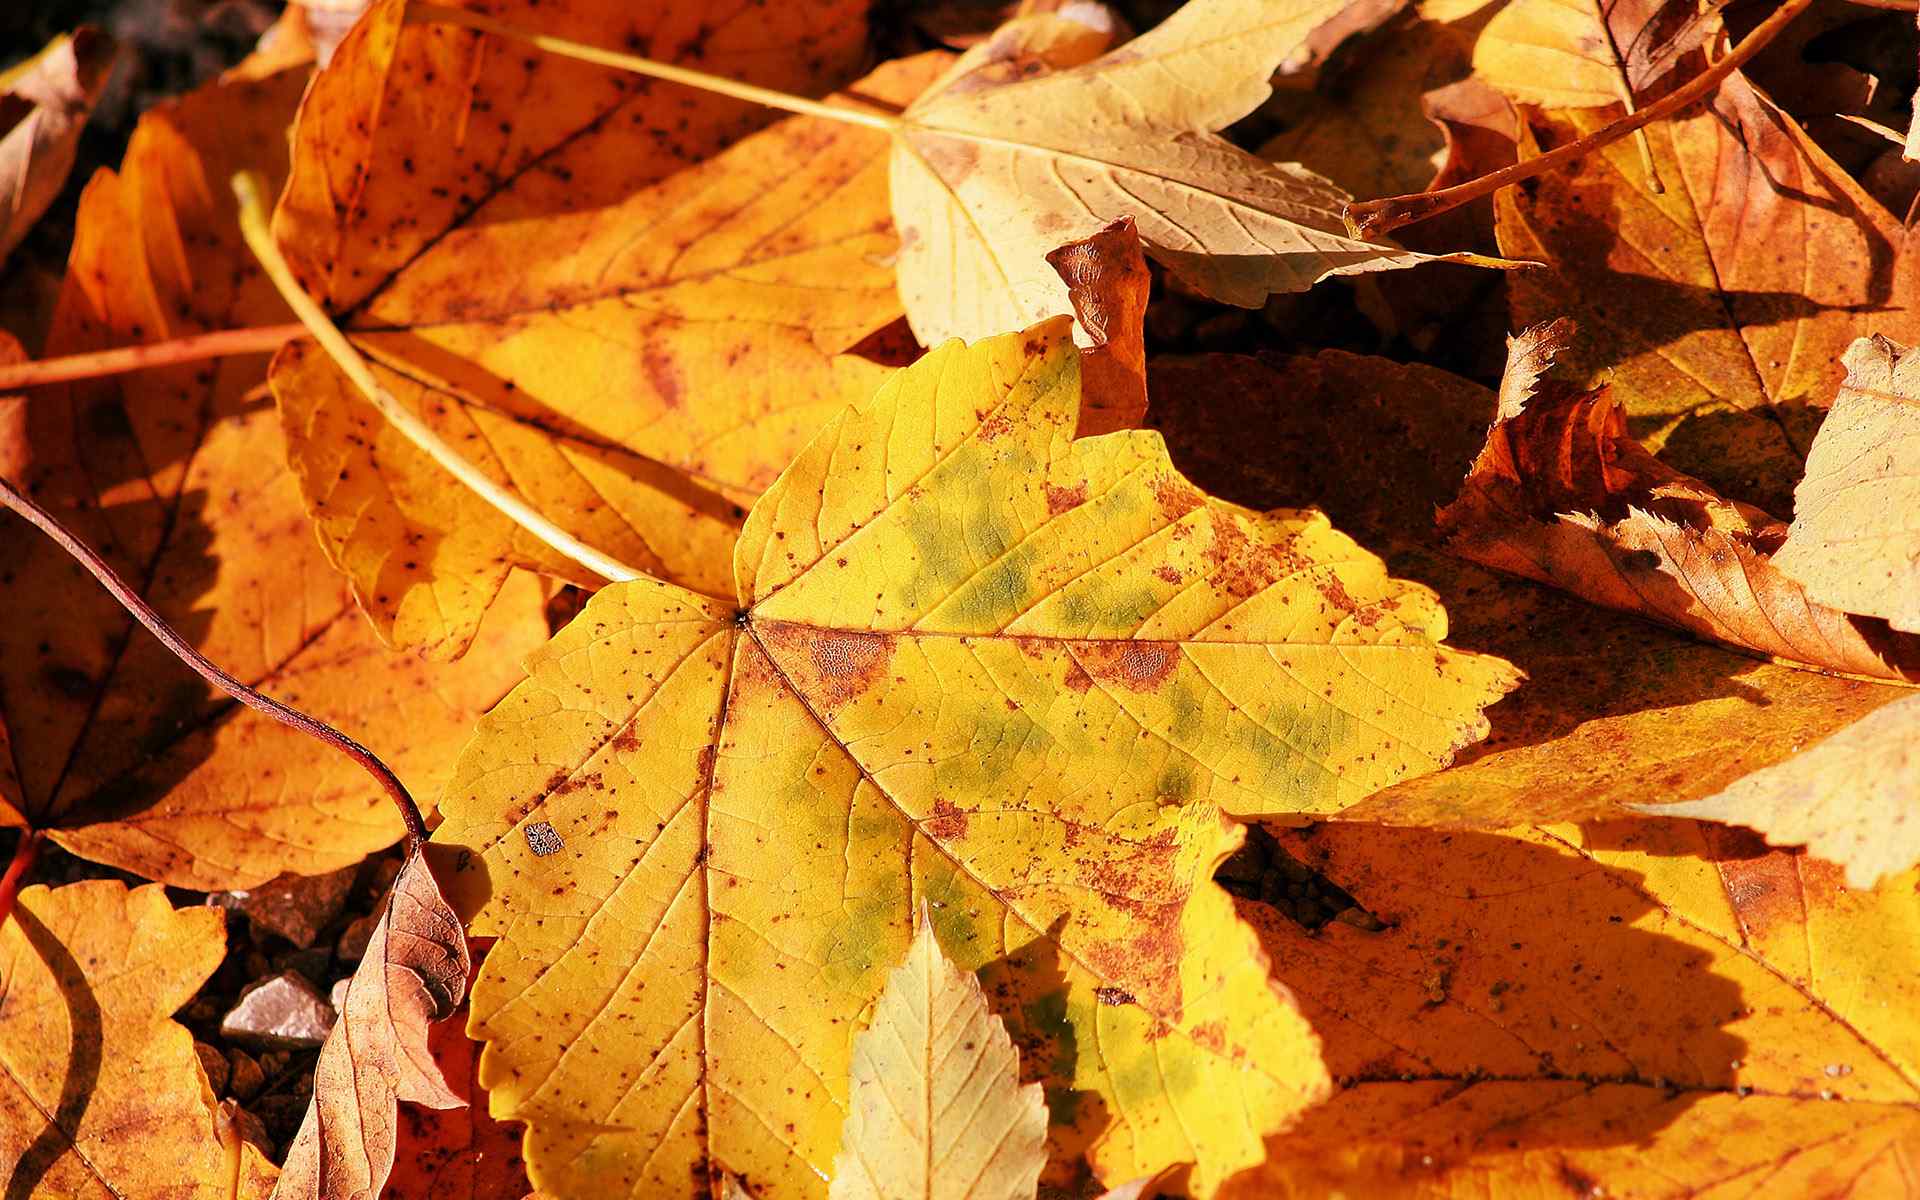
column 936, row 1108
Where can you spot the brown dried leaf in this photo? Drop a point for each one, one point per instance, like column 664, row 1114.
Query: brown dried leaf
column 44, row 103
column 1562, row 494
column 1855, row 538
column 1108, row 281
column 414, row 973
column 457, row 1153
column 1717, row 308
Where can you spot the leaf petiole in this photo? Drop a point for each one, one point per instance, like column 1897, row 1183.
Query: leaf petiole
column 183, row 650
column 120, row 360
column 440, row 14
column 24, row 852
column 253, row 227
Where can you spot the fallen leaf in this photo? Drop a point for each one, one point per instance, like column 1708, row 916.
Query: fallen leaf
column 44, row 104
column 598, row 291
column 1851, row 798
column 124, row 756
column 1721, row 1023
column 1563, row 495
column 1855, row 541
column 414, row 973
column 457, row 1153
column 987, row 179
column 1561, row 54
column 101, row 1093
column 971, row 661
column 1716, row 309
column 1615, row 711
column 1362, row 128
column 935, row 1107
column 1108, row 282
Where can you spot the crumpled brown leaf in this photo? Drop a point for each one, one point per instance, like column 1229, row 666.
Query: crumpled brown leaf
column 1716, row 307
column 44, row 103
column 414, row 974
column 1108, row 281
column 1855, row 538
column 1561, row 494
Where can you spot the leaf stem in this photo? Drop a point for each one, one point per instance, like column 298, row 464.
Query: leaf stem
column 219, row 344
column 1375, row 218
column 440, row 14
column 24, row 852
column 253, row 226
column 183, row 650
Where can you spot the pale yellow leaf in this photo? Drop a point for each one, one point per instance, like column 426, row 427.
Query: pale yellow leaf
column 1855, row 538
column 1852, row 798
column 936, row 1108
column 986, row 180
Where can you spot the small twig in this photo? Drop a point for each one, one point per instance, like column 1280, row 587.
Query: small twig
column 220, row 344
column 1375, row 218
column 24, row 852
column 142, row 612
column 253, row 226
column 1891, row 5
column 1623, row 87
column 438, row 14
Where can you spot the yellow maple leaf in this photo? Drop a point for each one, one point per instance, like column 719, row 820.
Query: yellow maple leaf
column 935, row 1105
column 973, row 662
column 100, row 1090
column 988, row 177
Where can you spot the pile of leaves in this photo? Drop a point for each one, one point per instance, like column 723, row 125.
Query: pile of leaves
column 965, row 620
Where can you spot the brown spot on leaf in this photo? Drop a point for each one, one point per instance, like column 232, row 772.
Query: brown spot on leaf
column 947, row 823
column 665, row 375
column 845, row 662
column 1175, row 497
column 1136, row 666
column 1061, row 500
column 1113, row 996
